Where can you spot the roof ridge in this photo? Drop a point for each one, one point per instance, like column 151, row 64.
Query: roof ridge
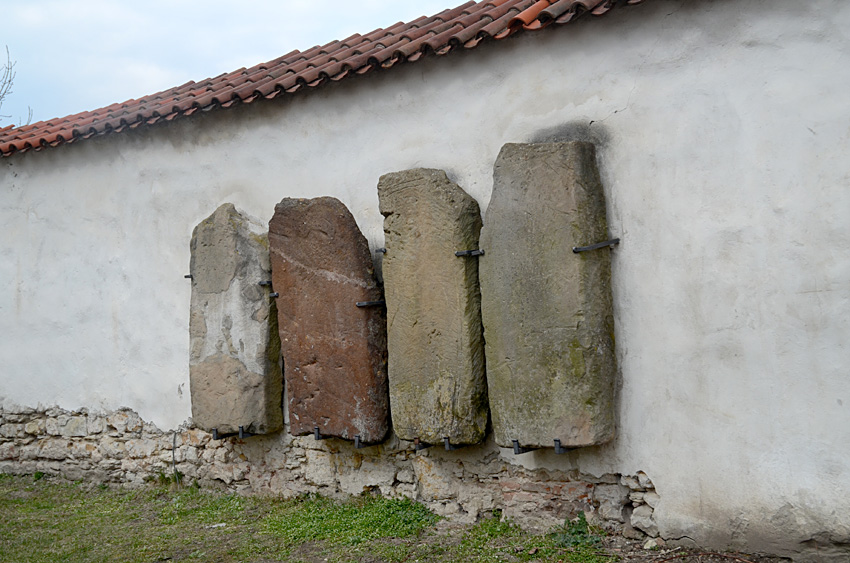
column 467, row 25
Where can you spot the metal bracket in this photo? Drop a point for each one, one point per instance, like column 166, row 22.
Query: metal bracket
column 269, row 285
column 189, row 277
column 371, row 303
column 476, row 252
column 242, row 434
column 560, row 450
column 316, row 434
column 358, row 444
column 521, row 450
column 419, row 445
column 598, row 245
column 450, row 447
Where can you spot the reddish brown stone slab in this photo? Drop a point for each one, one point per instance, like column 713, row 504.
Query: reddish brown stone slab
column 335, row 353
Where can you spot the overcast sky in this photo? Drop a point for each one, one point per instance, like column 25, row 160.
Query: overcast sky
column 80, row 55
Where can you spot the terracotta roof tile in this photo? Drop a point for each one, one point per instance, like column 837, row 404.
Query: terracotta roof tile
column 464, row 26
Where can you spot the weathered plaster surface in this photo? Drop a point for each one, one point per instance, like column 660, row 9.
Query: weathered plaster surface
column 724, row 130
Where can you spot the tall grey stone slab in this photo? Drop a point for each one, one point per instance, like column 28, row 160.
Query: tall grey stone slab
column 234, row 367
column 547, row 312
column 436, row 350
column 334, row 352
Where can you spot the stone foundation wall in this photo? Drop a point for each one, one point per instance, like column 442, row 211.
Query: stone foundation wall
column 121, row 448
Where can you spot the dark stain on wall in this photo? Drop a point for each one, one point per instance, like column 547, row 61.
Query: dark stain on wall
column 591, row 132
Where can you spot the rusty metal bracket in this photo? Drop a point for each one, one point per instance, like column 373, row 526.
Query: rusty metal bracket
column 613, row 242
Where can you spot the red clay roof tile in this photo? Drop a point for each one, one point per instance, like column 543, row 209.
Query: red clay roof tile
column 466, row 25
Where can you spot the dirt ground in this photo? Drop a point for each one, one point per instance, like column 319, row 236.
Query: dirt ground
column 633, row 551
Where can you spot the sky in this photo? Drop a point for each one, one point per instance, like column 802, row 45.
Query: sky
column 80, row 55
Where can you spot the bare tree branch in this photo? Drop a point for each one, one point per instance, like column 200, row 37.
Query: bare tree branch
column 7, row 79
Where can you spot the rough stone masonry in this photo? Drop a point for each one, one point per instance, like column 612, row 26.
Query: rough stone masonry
column 234, row 368
column 334, row 351
column 436, row 349
column 119, row 447
column 548, row 312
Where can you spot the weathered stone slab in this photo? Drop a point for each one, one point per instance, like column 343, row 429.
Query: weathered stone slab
column 436, row 349
column 547, row 312
column 334, row 352
column 234, row 369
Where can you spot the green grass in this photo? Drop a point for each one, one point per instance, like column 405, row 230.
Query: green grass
column 491, row 540
column 576, row 542
column 48, row 521
column 351, row 523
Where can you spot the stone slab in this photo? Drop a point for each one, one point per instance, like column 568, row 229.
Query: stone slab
column 234, row 367
column 436, row 349
column 334, row 352
column 547, row 312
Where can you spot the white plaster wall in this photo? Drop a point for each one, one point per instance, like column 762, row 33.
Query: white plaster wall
column 725, row 151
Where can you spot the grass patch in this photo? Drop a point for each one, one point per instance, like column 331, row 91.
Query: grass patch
column 576, row 533
column 350, row 523
column 499, row 539
column 49, row 521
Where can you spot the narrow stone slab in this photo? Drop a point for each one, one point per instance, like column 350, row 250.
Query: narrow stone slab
column 547, row 312
column 234, row 367
column 334, row 352
column 436, row 361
